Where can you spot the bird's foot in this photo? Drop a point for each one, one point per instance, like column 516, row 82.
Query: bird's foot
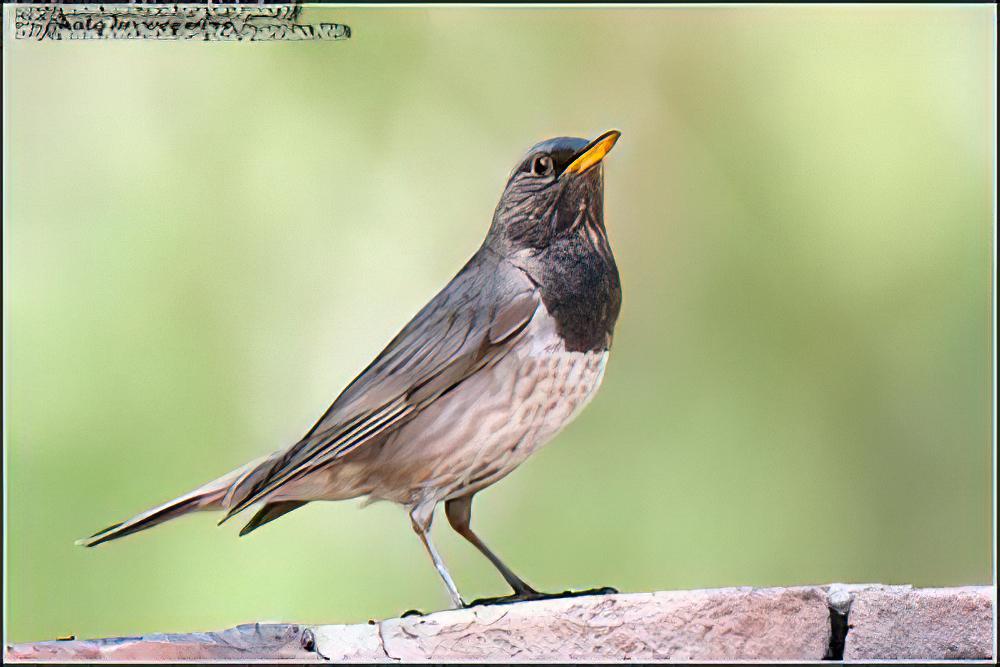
column 527, row 596
column 412, row 612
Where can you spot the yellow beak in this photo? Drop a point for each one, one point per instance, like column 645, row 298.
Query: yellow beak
column 593, row 153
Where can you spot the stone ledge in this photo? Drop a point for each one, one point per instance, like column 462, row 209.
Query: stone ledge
column 902, row 623
column 797, row 623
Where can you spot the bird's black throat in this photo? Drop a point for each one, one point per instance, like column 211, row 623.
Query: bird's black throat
column 580, row 288
column 551, row 226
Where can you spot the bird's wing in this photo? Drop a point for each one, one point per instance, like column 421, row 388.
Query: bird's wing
column 469, row 325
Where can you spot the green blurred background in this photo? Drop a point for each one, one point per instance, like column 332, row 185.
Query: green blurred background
column 204, row 242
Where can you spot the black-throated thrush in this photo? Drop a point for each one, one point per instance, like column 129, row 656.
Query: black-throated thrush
column 487, row 372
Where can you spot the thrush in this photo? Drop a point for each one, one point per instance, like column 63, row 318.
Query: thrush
column 486, row 373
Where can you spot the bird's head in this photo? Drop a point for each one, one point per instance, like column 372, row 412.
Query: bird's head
column 556, row 191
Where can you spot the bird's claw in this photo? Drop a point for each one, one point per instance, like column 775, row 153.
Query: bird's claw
column 412, row 612
column 527, row 596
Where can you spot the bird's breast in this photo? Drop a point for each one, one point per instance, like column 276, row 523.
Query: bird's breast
column 524, row 401
column 494, row 420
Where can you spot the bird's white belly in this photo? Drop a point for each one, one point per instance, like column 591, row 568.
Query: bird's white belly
column 546, row 395
column 491, row 423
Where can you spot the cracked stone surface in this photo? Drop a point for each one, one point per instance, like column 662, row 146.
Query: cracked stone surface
column 899, row 622
column 723, row 624
column 885, row 622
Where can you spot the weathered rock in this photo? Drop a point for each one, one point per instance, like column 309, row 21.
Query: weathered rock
column 900, row 623
column 253, row 641
column 724, row 624
column 886, row 622
column 347, row 643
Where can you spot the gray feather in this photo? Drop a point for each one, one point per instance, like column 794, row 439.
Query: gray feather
column 270, row 512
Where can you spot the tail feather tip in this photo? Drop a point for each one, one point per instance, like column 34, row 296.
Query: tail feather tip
column 92, row 541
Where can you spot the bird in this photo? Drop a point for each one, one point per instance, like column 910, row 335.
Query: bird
column 488, row 371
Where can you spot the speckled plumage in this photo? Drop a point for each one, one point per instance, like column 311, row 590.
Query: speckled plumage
column 489, row 425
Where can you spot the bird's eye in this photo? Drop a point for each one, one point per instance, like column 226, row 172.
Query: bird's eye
column 541, row 166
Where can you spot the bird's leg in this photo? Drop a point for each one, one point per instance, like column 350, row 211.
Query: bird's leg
column 459, row 511
column 421, row 519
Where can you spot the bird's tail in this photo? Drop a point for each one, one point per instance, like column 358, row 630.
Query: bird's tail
column 211, row 496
